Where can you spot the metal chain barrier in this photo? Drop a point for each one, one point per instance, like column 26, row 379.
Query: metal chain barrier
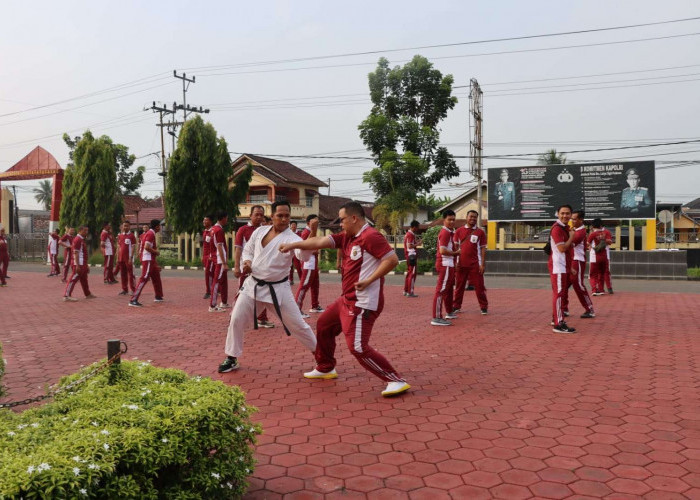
column 114, row 359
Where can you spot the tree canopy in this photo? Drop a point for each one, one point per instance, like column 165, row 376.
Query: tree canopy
column 402, row 134
column 128, row 181
column 551, row 157
column 44, row 193
column 198, row 178
column 90, row 189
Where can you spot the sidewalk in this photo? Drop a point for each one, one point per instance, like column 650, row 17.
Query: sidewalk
column 500, row 406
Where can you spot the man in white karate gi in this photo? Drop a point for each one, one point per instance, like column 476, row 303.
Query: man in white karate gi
column 267, row 286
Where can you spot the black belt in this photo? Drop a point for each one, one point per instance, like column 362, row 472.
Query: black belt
column 273, row 295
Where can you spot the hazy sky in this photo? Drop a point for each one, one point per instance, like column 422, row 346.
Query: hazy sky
column 585, row 91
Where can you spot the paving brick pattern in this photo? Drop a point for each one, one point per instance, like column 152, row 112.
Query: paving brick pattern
column 500, row 406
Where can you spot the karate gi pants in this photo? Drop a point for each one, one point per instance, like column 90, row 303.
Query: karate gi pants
column 444, row 291
column 472, row 275
column 126, row 270
column 579, row 285
column 410, row 281
column 53, row 259
column 80, row 273
column 149, row 271
column 263, row 315
column 220, row 285
column 309, row 280
column 108, row 272
column 242, row 320
column 356, row 324
column 560, row 295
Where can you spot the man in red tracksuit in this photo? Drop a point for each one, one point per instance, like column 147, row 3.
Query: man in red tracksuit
column 107, row 245
column 149, row 266
column 126, row 249
column 4, row 257
column 577, row 253
column 296, row 263
column 411, row 254
column 66, row 242
column 599, row 242
column 53, row 253
column 471, row 264
column 309, row 275
column 220, row 256
column 561, row 237
column 447, row 250
column 207, row 262
column 80, row 267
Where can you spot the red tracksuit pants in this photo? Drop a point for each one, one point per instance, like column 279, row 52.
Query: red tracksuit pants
column 410, row 281
column 309, row 280
column 67, row 263
column 296, row 266
column 53, row 258
column 444, row 291
column 149, row 271
column 220, row 285
column 356, row 324
column 209, row 265
column 599, row 275
column 108, row 264
column 4, row 262
column 80, row 273
column 560, row 293
column 126, row 270
column 578, row 283
column 472, row 275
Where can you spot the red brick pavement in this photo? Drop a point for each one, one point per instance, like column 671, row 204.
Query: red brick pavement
column 500, row 407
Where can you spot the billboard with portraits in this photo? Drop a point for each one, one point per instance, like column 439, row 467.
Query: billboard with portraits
column 609, row 190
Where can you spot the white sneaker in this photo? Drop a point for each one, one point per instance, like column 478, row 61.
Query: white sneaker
column 440, row 322
column 451, row 316
column 216, row 309
column 224, row 306
column 393, row 388
column 317, row 374
column 70, row 299
column 318, row 309
column 304, row 315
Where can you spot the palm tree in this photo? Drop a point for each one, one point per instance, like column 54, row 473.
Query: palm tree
column 43, row 193
column 551, row 157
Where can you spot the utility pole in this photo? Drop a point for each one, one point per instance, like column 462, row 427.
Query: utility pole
column 161, row 111
column 476, row 109
column 185, row 85
column 16, row 214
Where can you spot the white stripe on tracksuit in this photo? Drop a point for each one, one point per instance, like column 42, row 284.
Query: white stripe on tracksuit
column 304, row 288
column 560, row 315
column 215, row 289
column 438, row 302
column 143, row 281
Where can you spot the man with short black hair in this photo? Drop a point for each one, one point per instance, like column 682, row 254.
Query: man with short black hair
column 149, row 266
column 367, row 259
column 266, row 285
column 208, row 260
column 578, row 266
column 107, row 246
column 126, row 249
column 472, row 261
column 409, row 247
column 447, row 250
column 220, row 279
column 561, row 237
column 80, row 267
column 309, row 275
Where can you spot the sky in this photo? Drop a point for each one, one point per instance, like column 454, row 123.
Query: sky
column 290, row 78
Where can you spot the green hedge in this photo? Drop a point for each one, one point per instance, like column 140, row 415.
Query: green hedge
column 155, row 434
column 2, row 371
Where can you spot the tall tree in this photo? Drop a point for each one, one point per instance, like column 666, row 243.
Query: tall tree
column 199, row 176
column 128, row 181
column 90, row 191
column 551, row 157
column 402, row 134
column 43, row 193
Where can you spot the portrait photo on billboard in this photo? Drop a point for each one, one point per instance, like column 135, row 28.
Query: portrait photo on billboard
column 504, row 193
column 637, row 192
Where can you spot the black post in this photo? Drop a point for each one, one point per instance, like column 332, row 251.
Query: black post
column 113, row 348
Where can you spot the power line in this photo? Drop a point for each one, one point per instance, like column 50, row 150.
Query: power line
column 444, row 45
column 505, row 94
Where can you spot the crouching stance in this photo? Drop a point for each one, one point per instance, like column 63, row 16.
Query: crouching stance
column 367, row 257
column 266, row 285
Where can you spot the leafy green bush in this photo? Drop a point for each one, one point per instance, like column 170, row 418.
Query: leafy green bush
column 2, row 371
column 694, row 272
column 430, row 241
column 424, row 266
column 155, row 433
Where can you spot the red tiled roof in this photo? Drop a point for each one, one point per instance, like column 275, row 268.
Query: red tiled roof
column 145, row 215
column 36, row 165
column 284, row 170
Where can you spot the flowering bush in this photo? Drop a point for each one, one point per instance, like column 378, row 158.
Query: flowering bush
column 155, row 433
